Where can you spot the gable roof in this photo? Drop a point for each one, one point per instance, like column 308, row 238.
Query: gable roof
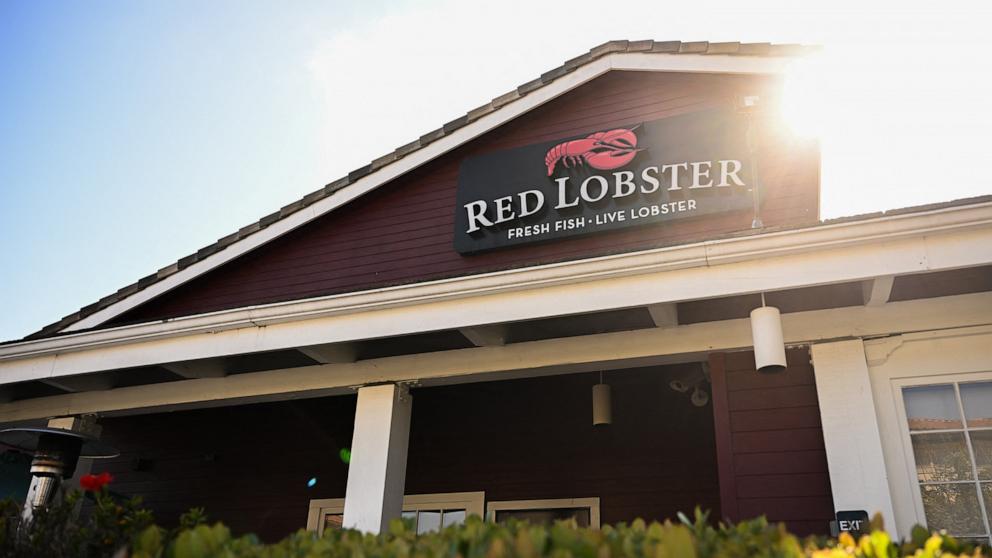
column 75, row 321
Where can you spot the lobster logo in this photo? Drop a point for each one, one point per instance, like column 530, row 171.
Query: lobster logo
column 602, row 151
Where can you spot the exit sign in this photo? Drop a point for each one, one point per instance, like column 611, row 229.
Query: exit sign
column 854, row 522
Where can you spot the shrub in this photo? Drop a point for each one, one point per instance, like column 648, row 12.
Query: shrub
column 477, row 539
column 122, row 529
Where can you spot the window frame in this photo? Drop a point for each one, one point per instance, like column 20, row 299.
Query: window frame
column 906, row 438
column 954, row 353
column 571, row 503
column 471, row 502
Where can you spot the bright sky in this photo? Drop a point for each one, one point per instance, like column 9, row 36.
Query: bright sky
column 134, row 133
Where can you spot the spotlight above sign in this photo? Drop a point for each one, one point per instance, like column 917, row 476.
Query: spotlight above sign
column 685, row 166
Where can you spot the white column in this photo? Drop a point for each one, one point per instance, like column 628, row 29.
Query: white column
column 377, row 473
column 858, row 478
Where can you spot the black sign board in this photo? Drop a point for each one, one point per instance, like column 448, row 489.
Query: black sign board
column 680, row 167
column 853, row 521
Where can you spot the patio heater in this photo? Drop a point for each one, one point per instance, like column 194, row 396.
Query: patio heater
column 57, row 449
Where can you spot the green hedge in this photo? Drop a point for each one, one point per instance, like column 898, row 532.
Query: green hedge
column 111, row 527
column 478, row 539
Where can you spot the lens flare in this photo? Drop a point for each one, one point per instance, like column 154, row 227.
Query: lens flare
column 312, row 482
column 345, row 455
column 806, row 103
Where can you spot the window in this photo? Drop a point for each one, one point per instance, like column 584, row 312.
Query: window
column 950, row 431
column 426, row 512
column 585, row 511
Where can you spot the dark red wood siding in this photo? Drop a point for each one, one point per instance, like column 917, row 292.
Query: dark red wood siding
column 521, row 439
column 402, row 232
column 770, row 442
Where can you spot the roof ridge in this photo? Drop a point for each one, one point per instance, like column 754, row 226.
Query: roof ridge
column 599, row 51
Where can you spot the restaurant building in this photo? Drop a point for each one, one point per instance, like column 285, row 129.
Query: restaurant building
column 433, row 334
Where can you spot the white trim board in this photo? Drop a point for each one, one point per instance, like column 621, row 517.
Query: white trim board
column 644, row 347
column 657, row 62
column 937, row 240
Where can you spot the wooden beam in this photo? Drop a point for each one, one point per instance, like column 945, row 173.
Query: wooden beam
column 85, row 382
column 876, row 291
column 485, row 336
column 334, row 353
column 664, row 315
column 195, row 369
column 537, row 358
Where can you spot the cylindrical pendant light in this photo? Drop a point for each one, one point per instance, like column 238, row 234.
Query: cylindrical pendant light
column 766, row 333
column 602, row 411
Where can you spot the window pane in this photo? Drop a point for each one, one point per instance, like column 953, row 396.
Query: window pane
column 546, row 516
column 333, row 521
column 453, row 517
column 931, row 408
column 941, row 457
column 977, row 400
column 409, row 519
column 428, row 521
column 981, row 442
column 953, row 507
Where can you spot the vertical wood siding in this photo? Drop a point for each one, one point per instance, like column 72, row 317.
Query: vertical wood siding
column 402, row 232
column 770, row 442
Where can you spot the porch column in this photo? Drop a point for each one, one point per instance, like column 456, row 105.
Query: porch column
column 858, row 478
column 377, row 473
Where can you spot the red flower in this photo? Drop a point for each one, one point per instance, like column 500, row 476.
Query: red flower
column 95, row 483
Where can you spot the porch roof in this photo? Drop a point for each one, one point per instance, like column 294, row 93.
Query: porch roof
column 901, row 272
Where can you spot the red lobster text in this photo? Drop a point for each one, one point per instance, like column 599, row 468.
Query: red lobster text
column 602, row 150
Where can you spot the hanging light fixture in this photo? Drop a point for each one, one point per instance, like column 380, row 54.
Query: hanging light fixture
column 766, row 334
column 602, row 411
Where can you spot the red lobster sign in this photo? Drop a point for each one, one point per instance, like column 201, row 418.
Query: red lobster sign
column 602, row 151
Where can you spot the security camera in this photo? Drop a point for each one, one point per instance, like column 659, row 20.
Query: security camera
column 699, row 397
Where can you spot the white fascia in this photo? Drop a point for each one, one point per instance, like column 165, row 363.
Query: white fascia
column 655, row 62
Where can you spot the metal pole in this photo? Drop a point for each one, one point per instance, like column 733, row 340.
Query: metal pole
column 755, row 180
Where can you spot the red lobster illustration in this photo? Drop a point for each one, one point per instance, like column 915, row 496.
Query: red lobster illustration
column 602, row 150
